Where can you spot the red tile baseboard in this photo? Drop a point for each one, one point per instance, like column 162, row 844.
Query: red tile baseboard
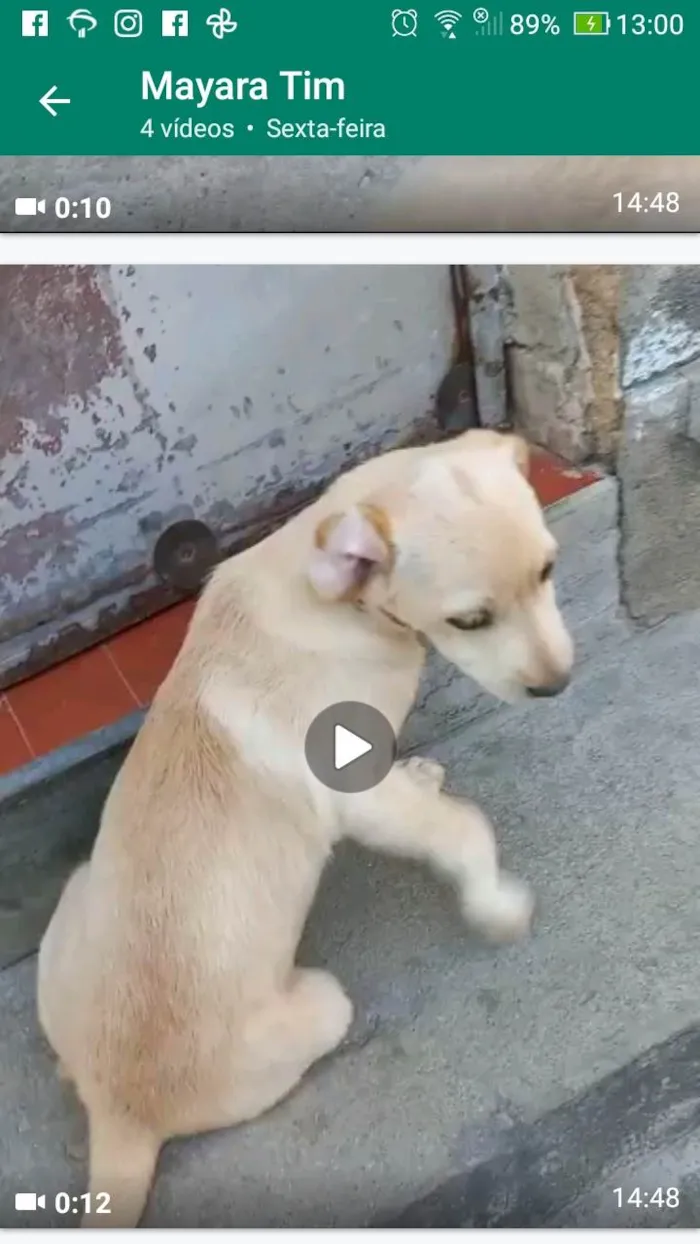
column 144, row 653
column 69, row 700
column 15, row 749
column 122, row 674
column 553, row 479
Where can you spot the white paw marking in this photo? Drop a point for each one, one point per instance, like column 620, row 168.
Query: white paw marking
column 427, row 772
column 503, row 913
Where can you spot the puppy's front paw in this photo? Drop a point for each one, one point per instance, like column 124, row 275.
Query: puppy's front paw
column 502, row 913
column 427, row 772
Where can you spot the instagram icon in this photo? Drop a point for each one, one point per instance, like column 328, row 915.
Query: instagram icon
column 128, row 23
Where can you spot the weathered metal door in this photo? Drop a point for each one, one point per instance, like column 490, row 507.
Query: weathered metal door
column 134, row 399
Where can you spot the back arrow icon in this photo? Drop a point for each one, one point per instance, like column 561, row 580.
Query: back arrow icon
column 49, row 99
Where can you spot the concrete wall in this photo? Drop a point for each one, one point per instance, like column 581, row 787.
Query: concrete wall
column 562, row 345
column 604, row 363
column 659, row 460
column 133, row 398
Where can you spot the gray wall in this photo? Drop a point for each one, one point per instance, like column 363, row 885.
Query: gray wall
column 659, row 463
column 604, row 363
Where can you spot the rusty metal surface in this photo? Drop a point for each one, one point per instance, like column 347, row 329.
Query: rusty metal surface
column 133, row 399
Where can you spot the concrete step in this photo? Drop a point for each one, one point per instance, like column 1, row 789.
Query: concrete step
column 456, row 1046
column 626, row 1153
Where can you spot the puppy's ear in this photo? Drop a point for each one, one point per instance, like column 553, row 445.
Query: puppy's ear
column 349, row 547
column 519, row 450
column 506, row 442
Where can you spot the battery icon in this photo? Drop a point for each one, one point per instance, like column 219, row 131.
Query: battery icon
column 591, row 23
column 29, row 1201
column 29, row 207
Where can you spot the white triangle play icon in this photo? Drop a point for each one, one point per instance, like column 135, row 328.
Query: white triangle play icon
column 348, row 747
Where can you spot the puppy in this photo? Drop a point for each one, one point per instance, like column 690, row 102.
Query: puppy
column 167, row 978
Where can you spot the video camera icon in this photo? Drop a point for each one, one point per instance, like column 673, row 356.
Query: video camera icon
column 30, row 207
column 29, row 1201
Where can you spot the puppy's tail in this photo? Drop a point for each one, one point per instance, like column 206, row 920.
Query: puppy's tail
column 123, row 1156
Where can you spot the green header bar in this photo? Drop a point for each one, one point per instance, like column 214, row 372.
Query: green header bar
column 333, row 78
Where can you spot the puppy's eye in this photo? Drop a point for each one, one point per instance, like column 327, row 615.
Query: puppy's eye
column 547, row 572
column 473, row 622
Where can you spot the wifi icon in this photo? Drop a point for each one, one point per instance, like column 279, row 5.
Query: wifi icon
column 448, row 19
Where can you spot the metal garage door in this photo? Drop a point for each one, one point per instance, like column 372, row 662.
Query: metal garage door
column 135, row 399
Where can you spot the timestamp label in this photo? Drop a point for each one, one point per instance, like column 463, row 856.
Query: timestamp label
column 647, row 1198
column 64, row 1202
column 64, row 208
column 87, row 1203
column 661, row 202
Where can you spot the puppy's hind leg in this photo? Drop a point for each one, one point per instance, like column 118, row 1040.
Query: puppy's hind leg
column 280, row 1042
column 297, row 1028
column 123, row 1157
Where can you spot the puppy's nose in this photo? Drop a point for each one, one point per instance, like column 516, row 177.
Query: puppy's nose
column 550, row 688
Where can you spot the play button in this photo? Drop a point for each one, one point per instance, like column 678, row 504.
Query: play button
column 350, row 747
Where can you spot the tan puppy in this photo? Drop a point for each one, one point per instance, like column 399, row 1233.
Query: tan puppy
column 167, row 982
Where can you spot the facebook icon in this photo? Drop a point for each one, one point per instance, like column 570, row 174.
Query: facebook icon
column 35, row 23
column 175, row 22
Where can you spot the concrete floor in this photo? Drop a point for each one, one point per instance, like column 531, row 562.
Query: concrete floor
column 457, row 1045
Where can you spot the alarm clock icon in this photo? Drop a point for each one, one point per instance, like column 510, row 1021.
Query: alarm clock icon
column 404, row 22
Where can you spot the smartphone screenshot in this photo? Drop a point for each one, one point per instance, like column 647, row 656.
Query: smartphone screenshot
column 349, row 616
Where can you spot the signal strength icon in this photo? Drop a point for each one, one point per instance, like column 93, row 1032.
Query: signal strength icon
column 448, row 19
column 488, row 24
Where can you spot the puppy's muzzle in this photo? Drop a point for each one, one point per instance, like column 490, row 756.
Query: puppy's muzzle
column 550, row 688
